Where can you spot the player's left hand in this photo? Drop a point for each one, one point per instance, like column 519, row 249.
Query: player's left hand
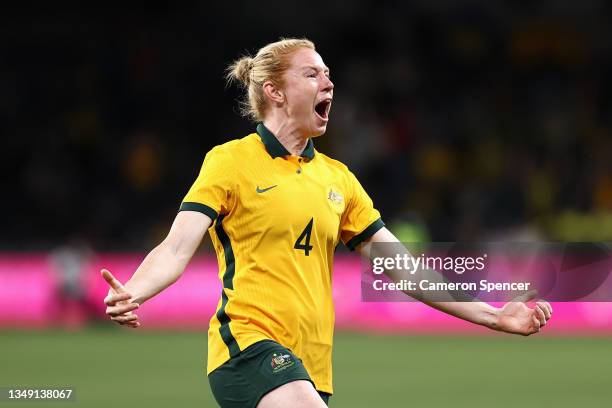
column 518, row 318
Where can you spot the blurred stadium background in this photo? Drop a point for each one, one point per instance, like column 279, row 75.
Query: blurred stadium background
column 472, row 120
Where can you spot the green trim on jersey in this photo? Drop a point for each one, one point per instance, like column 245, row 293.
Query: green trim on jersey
column 228, row 283
column 367, row 233
column 204, row 209
column 276, row 149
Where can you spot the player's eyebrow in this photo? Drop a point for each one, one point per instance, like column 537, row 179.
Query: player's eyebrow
column 317, row 69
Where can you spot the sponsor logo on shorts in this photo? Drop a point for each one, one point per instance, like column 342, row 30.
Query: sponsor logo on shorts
column 281, row 362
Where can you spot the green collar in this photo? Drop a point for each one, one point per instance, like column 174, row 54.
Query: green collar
column 276, row 149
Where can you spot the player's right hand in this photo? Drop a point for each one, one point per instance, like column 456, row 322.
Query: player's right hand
column 518, row 318
column 118, row 302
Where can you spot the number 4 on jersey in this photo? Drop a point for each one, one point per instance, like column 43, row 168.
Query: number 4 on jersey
column 305, row 238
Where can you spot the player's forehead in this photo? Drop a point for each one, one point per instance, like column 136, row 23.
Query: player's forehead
column 306, row 58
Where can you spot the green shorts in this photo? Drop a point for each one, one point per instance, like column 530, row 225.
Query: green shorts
column 242, row 381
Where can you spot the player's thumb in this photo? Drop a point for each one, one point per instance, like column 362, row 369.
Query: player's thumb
column 112, row 281
column 526, row 297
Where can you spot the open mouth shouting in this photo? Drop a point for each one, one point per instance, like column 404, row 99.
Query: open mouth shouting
column 322, row 108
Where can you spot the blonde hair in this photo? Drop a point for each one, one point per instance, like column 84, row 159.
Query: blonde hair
column 269, row 64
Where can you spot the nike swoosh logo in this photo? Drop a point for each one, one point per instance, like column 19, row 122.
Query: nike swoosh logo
column 263, row 190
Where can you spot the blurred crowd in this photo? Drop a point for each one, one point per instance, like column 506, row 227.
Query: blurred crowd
column 470, row 120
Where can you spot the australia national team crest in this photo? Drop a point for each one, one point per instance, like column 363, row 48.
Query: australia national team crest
column 281, row 362
column 335, row 198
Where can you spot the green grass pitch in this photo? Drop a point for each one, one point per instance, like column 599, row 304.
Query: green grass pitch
column 115, row 367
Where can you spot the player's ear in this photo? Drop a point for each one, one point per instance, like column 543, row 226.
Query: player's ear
column 273, row 93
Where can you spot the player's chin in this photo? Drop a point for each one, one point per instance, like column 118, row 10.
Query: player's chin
column 319, row 131
column 319, row 126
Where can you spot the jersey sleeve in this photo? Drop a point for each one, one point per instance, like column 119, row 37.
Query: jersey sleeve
column 213, row 190
column 360, row 219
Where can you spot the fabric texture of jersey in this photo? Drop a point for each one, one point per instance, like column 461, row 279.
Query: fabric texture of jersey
column 277, row 221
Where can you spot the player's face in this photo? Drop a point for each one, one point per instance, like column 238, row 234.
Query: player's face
column 308, row 92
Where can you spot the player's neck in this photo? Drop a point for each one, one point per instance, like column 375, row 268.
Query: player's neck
column 288, row 134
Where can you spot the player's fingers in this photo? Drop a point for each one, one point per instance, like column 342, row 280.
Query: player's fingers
column 536, row 324
column 125, row 318
column 112, row 281
column 132, row 323
column 112, row 299
column 121, row 309
column 541, row 316
column 548, row 306
column 530, row 327
column 545, row 308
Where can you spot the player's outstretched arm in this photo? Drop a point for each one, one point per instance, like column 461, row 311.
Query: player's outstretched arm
column 160, row 268
column 514, row 317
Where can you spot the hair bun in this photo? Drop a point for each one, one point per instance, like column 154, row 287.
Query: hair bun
column 242, row 70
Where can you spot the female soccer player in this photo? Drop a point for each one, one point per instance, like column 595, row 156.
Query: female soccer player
column 276, row 209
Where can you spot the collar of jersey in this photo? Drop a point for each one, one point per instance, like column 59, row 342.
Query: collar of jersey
column 276, row 149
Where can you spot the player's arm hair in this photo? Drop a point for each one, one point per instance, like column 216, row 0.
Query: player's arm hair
column 167, row 261
column 467, row 308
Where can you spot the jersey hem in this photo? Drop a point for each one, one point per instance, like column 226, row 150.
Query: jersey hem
column 243, row 345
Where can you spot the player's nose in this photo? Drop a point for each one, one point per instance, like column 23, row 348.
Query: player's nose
column 327, row 85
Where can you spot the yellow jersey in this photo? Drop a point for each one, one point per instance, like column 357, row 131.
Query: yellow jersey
column 277, row 221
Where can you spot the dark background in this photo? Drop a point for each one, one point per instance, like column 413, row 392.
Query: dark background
column 472, row 121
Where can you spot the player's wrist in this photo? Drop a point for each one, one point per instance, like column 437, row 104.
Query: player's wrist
column 491, row 317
